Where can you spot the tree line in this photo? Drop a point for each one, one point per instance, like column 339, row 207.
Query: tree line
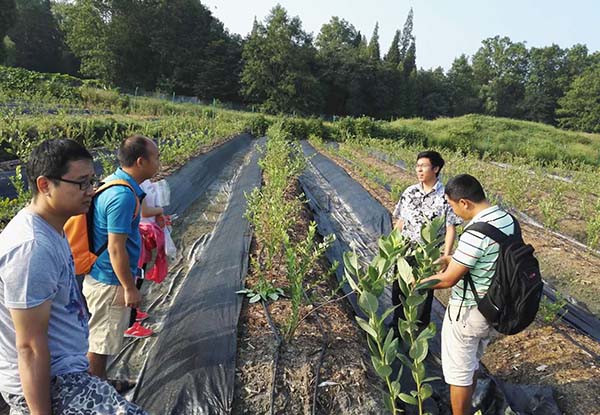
column 179, row 46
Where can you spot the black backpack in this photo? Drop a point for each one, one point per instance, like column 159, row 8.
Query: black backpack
column 513, row 298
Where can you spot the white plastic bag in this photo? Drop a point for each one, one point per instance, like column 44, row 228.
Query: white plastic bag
column 170, row 248
column 163, row 192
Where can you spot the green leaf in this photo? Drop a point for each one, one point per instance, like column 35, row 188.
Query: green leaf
column 274, row 296
column 395, row 388
column 431, row 379
column 418, row 350
column 365, row 326
column 390, row 351
column 427, row 284
column 404, row 270
column 408, row 399
column 405, row 361
column 255, row 298
column 428, row 333
column 387, row 312
column 426, row 391
column 415, row 299
column 384, row 371
column 351, row 281
column 351, row 262
column 368, row 303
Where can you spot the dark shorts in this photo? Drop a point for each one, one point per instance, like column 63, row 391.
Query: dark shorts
column 79, row 393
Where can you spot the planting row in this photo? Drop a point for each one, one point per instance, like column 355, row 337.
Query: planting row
column 569, row 206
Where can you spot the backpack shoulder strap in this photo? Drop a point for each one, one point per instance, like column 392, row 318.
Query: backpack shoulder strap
column 120, row 182
column 489, row 231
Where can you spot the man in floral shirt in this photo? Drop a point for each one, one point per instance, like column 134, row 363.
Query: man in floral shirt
column 419, row 204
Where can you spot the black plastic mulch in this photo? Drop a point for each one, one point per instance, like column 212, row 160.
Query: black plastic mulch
column 191, row 368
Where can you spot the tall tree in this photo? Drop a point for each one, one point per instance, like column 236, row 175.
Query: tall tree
column 8, row 15
column 500, row 67
column 433, row 99
column 374, row 53
column 86, row 33
column 547, row 66
column 408, row 68
column 279, row 70
column 337, row 57
column 393, row 55
column 462, row 88
column 580, row 107
column 36, row 36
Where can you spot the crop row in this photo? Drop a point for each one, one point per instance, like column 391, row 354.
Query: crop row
column 569, row 205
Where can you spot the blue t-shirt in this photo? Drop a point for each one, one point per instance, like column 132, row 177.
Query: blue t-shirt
column 36, row 265
column 113, row 213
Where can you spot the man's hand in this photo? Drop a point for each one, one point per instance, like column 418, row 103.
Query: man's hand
column 133, row 297
column 443, row 262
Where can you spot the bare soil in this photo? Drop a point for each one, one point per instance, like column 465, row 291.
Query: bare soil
column 346, row 381
column 547, row 354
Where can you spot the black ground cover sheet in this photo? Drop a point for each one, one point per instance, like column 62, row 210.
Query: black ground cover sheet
column 191, row 368
column 343, row 207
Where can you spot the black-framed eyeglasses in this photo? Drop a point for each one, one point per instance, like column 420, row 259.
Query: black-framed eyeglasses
column 83, row 185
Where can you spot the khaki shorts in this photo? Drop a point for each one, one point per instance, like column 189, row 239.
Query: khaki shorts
column 109, row 316
column 463, row 344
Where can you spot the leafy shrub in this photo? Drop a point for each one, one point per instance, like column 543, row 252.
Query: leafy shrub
column 93, row 96
column 257, row 125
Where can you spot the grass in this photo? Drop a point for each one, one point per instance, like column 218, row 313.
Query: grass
column 505, row 138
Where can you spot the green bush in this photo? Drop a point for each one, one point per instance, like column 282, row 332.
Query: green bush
column 257, row 125
column 18, row 83
column 92, row 96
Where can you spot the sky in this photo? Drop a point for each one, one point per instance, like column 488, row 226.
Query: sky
column 444, row 29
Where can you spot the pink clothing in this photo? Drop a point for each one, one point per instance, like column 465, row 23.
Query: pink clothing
column 153, row 237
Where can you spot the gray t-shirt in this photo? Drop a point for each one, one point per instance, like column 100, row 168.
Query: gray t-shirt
column 36, row 265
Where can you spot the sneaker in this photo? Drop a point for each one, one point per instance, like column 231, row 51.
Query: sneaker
column 140, row 315
column 138, row 331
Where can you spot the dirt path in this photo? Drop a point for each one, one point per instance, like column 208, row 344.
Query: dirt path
column 347, row 383
column 553, row 355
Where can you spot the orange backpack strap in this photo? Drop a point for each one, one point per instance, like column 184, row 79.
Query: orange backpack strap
column 103, row 187
column 79, row 232
column 120, row 182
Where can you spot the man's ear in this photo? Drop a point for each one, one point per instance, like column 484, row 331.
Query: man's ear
column 436, row 170
column 43, row 184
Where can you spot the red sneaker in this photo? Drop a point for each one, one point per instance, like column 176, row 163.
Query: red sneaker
column 140, row 315
column 138, row 331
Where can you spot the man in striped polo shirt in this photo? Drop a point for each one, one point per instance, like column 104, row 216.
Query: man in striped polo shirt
column 465, row 332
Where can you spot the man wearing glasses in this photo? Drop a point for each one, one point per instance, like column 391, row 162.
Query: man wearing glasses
column 43, row 322
column 110, row 287
column 419, row 204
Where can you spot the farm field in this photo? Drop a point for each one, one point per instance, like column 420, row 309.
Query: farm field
column 570, row 359
column 290, row 342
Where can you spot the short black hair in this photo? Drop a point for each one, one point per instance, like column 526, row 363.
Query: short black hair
column 51, row 158
column 434, row 157
column 465, row 186
column 132, row 148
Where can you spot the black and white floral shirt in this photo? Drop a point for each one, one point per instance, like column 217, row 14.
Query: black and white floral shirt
column 416, row 208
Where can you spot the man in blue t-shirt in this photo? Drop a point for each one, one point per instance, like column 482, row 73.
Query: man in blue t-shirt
column 43, row 322
column 110, row 287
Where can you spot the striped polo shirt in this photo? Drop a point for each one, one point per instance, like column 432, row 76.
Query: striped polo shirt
column 479, row 253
